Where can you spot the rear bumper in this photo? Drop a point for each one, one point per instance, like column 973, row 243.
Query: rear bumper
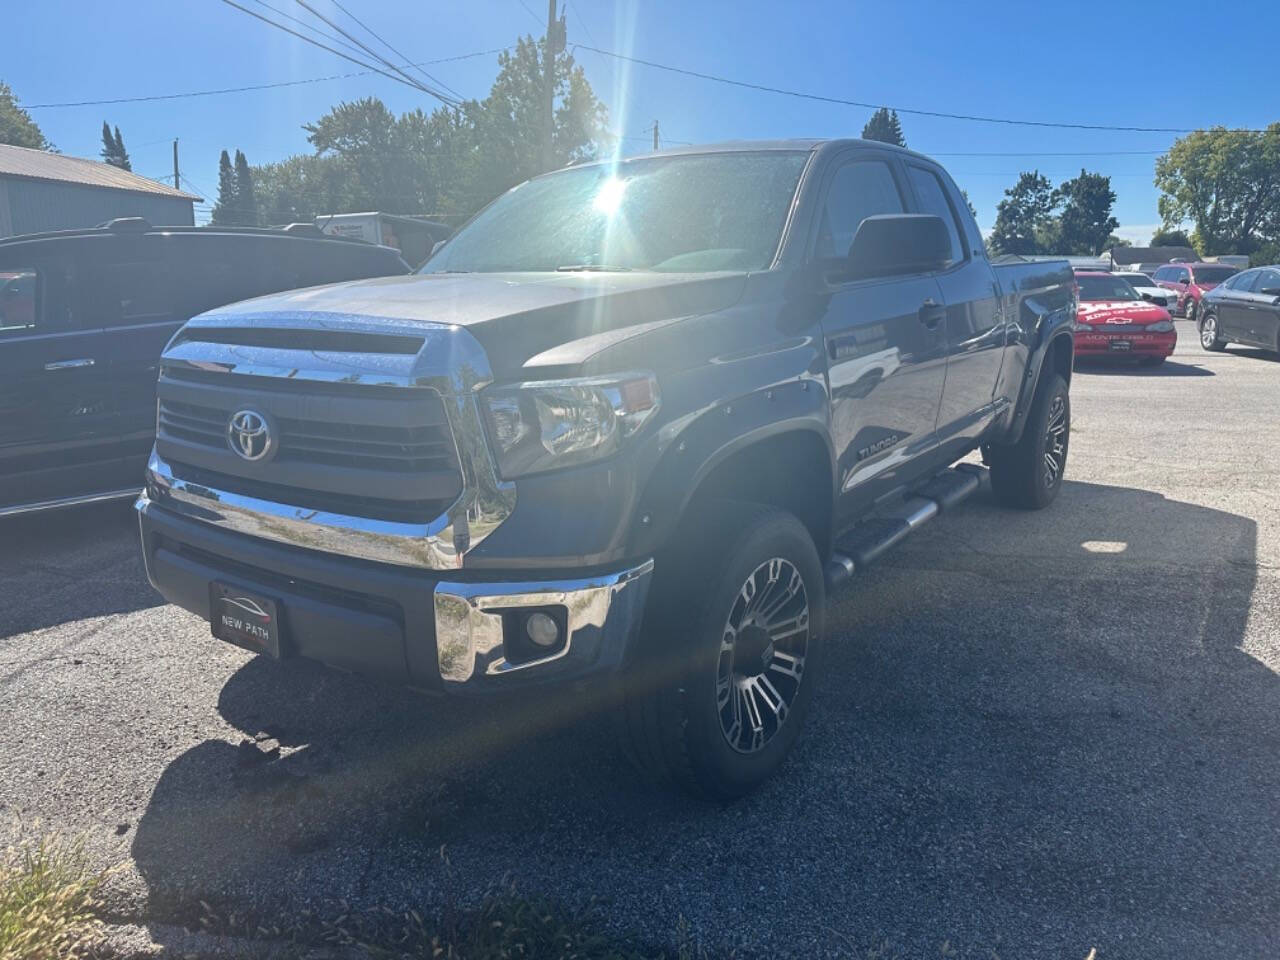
column 422, row 628
column 1140, row 344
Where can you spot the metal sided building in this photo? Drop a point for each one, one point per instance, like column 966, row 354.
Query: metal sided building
column 41, row 191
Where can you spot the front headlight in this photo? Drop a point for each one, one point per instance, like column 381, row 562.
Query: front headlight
column 1160, row 326
column 548, row 424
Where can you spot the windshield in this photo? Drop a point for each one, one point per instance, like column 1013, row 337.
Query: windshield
column 1105, row 288
column 695, row 213
column 1213, row 274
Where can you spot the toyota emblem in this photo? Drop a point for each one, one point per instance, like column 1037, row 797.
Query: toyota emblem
column 248, row 435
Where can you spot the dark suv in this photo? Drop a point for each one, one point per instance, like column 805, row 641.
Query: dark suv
column 84, row 315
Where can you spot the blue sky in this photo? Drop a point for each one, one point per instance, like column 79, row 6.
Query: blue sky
column 1168, row 64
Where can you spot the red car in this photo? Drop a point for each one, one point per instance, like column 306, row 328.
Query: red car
column 1112, row 320
column 1190, row 281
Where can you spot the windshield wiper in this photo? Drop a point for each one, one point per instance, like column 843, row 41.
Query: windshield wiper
column 592, row 267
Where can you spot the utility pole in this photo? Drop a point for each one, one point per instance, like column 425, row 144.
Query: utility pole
column 549, row 71
column 655, row 129
column 175, row 164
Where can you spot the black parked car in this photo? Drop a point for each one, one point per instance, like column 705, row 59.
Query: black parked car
column 1243, row 309
column 84, row 315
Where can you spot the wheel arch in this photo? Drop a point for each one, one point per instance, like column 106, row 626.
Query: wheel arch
column 786, row 463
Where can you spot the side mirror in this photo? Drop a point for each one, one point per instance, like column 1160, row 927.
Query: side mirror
column 894, row 244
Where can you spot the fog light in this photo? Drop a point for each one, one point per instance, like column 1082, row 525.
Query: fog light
column 542, row 630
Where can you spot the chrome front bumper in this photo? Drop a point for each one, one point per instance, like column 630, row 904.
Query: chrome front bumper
column 422, row 628
column 603, row 614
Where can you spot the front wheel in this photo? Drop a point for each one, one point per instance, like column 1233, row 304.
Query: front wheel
column 1210, row 338
column 1028, row 474
column 730, row 652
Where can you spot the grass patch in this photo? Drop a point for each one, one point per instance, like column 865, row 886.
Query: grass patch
column 48, row 898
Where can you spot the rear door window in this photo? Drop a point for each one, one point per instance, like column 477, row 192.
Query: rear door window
column 19, row 300
column 933, row 200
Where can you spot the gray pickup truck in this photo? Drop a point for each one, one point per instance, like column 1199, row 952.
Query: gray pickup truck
column 618, row 438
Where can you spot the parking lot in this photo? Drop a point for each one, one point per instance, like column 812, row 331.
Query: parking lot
column 1038, row 734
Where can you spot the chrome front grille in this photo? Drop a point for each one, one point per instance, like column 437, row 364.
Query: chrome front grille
column 402, row 449
column 376, row 447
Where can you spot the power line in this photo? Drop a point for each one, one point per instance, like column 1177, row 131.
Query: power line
column 536, row 18
column 877, row 106
column 368, row 29
column 245, row 89
column 443, row 98
column 316, row 43
column 585, row 29
column 307, row 26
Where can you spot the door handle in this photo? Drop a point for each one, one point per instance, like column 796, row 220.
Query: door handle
column 69, row 364
column 932, row 313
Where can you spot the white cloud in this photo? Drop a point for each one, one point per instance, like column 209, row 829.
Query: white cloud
column 1139, row 234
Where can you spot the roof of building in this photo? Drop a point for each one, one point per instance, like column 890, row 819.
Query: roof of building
column 42, row 165
column 1128, row 255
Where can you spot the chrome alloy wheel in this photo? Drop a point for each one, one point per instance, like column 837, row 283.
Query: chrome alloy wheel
column 762, row 653
column 1208, row 330
column 1055, row 441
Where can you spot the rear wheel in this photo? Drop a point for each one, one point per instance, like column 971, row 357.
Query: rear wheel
column 729, row 654
column 1191, row 309
column 1028, row 474
column 1210, row 338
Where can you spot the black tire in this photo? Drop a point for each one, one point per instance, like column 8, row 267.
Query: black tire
column 1210, row 337
column 1020, row 474
column 1190, row 310
column 676, row 705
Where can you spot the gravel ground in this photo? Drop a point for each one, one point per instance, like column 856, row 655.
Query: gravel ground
column 1038, row 734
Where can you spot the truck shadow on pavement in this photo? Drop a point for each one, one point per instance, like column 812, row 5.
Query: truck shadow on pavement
column 71, row 564
column 1036, row 733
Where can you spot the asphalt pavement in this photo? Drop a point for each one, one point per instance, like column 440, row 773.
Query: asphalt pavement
column 1038, row 733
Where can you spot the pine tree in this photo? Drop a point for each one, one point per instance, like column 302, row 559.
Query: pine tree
column 225, row 210
column 246, row 199
column 122, row 155
column 884, row 126
column 113, row 151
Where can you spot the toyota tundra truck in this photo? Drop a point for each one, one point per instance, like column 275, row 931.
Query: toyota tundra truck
column 618, row 438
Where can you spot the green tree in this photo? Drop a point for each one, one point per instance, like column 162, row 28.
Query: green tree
column 884, row 126
column 1024, row 216
column 246, row 198
column 1227, row 182
column 16, row 126
column 446, row 163
column 225, row 209
column 1086, row 221
column 113, row 151
column 1170, row 238
column 505, row 128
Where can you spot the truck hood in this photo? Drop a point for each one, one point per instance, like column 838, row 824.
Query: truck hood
column 515, row 316
column 1120, row 311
